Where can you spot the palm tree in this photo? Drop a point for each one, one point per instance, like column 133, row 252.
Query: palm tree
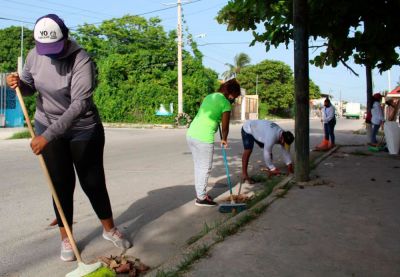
column 240, row 61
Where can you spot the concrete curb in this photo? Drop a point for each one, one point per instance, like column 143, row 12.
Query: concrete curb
column 318, row 160
column 142, row 126
column 173, row 126
column 212, row 237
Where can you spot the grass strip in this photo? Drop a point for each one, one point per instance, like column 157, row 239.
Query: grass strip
column 21, row 135
column 186, row 264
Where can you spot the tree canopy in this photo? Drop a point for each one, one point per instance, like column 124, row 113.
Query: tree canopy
column 365, row 30
column 10, row 47
column 137, row 71
column 136, row 61
column 241, row 60
column 362, row 30
column 274, row 83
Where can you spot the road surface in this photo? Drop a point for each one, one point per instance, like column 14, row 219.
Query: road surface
column 148, row 171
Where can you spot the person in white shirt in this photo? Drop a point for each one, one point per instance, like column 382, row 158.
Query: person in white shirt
column 329, row 120
column 266, row 134
column 377, row 118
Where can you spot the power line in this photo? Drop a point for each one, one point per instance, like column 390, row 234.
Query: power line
column 194, row 13
column 149, row 12
column 76, row 8
column 211, row 58
column 31, row 5
column 222, row 43
column 16, row 20
column 45, row 8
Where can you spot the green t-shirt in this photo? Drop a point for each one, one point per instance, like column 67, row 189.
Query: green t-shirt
column 205, row 124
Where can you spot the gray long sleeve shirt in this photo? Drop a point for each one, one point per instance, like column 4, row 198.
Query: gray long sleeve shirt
column 65, row 89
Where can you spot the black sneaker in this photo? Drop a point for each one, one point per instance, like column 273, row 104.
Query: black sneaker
column 206, row 202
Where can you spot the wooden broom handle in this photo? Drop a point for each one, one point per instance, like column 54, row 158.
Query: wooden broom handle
column 49, row 181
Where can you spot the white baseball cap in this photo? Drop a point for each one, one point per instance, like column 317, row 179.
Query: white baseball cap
column 50, row 34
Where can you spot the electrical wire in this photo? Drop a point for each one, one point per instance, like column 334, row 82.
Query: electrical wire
column 16, row 20
column 145, row 13
column 76, row 8
column 222, row 43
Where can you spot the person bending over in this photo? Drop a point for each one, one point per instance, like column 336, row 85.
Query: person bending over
column 265, row 134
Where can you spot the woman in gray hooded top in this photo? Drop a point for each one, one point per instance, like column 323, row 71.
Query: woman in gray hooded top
column 67, row 124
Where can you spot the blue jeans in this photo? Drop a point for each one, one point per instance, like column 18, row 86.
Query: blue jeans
column 248, row 141
column 375, row 129
column 202, row 153
column 329, row 129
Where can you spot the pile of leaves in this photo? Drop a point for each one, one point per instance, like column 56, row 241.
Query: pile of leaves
column 124, row 265
column 241, row 198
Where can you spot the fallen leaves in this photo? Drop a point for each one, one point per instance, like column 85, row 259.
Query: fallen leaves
column 241, row 198
column 124, row 264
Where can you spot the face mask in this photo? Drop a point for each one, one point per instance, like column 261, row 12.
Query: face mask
column 231, row 101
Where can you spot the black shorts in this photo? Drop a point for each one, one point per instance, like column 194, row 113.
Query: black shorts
column 248, row 141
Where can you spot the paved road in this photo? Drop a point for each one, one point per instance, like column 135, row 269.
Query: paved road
column 149, row 173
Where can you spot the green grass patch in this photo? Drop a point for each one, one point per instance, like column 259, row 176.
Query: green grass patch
column 195, row 255
column 186, row 264
column 21, row 135
column 313, row 165
column 268, row 187
column 269, row 184
column 360, row 153
column 162, row 273
column 360, row 132
column 202, row 233
column 233, row 228
column 259, row 178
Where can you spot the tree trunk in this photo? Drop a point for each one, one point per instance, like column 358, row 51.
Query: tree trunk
column 301, row 76
column 368, row 71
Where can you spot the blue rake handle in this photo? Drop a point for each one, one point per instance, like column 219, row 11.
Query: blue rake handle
column 226, row 164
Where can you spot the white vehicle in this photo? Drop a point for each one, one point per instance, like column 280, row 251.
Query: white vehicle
column 353, row 110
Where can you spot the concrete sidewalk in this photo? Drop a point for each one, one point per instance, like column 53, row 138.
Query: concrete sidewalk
column 345, row 222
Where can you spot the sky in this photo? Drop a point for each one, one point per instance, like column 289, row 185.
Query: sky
column 218, row 45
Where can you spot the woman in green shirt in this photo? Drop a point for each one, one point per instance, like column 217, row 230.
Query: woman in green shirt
column 215, row 108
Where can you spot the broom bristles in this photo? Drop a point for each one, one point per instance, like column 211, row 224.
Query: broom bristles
column 90, row 270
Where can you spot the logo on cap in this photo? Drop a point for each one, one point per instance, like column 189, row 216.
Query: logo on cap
column 50, row 33
column 47, row 31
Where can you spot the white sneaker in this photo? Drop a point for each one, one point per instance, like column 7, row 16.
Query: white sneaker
column 116, row 237
column 67, row 254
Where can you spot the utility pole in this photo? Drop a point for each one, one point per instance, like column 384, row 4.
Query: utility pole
column 20, row 61
column 22, row 42
column 257, row 85
column 180, row 85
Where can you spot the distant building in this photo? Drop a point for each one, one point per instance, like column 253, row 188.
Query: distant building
column 317, row 104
